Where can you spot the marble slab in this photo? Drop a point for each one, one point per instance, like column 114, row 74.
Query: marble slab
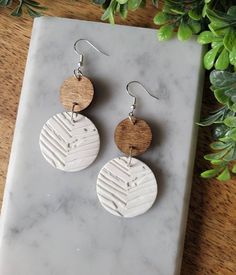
column 52, row 221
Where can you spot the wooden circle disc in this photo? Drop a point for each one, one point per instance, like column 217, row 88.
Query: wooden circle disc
column 79, row 91
column 137, row 135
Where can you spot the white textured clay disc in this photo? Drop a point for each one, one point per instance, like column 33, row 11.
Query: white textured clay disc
column 69, row 145
column 126, row 191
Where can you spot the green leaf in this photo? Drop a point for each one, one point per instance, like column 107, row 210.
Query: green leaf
column 222, row 61
column 224, row 84
column 217, row 43
column 234, row 169
column 222, row 79
column 218, row 162
column 225, row 175
column 184, row 31
column 33, row 13
column 109, row 12
column 161, row 18
column 231, row 134
column 210, row 56
column 219, row 16
column 32, row 3
column 230, row 155
column 125, row 1
column 5, row 3
column 205, row 37
column 232, row 11
column 230, row 121
column 214, row 117
column 232, row 56
column 219, row 132
column 210, row 173
column 17, row 11
column 178, row 10
column 165, row 32
column 233, row 107
column 194, row 14
column 221, row 96
column 217, row 155
column 219, row 145
column 230, row 39
column 204, row 11
column 134, row 4
column 194, row 25
column 123, row 11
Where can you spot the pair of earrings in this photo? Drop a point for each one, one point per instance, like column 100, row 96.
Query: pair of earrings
column 70, row 142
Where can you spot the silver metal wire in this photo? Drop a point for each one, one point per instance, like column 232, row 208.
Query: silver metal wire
column 133, row 106
column 73, row 113
column 78, row 74
column 130, row 156
column 80, row 63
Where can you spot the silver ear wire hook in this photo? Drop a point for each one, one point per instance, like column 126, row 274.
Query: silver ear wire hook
column 80, row 63
column 92, row 45
column 133, row 106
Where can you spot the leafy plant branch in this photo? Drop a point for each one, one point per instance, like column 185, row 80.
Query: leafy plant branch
column 32, row 7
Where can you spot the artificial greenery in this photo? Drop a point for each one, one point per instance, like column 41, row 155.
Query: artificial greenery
column 214, row 22
column 32, row 7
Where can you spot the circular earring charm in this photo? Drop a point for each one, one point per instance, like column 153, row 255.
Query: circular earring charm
column 126, row 186
column 70, row 141
column 126, row 189
column 69, row 145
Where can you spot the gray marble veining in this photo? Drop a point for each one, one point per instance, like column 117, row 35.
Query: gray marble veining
column 52, row 222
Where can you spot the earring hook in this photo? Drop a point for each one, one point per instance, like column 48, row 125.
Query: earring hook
column 145, row 89
column 77, row 72
column 90, row 44
column 133, row 106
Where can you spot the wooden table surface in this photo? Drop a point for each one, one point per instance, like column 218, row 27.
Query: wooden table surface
column 210, row 244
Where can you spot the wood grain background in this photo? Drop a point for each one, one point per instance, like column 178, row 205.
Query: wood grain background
column 210, row 244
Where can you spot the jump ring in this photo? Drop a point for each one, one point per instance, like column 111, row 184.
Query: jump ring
column 73, row 111
column 130, row 156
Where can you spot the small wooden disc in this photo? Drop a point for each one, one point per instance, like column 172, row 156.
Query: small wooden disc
column 137, row 135
column 79, row 91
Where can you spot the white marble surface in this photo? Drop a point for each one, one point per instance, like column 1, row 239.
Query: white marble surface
column 52, row 222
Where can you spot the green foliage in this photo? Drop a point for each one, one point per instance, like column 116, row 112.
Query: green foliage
column 215, row 23
column 185, row 16
column 32, row 7
column 119, row 7
column 225, row 152
column 216, row 117
column 224, row 88
column 222, row 37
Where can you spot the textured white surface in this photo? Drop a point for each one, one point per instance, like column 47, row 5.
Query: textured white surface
column 52, row 221
column 126, row 190
column 69, row 145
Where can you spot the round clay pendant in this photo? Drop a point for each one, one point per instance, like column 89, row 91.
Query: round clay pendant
column 136, row 135
column 69, row 145
column 126, row 190
column 78, row 91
